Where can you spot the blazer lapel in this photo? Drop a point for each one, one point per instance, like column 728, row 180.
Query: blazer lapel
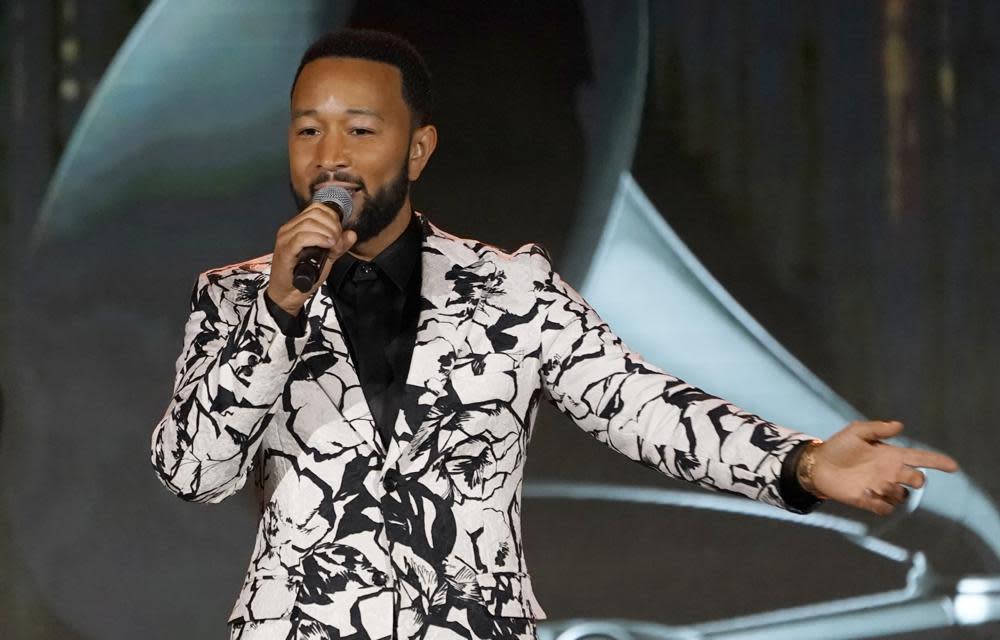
column 454, row 280
column 328, row 358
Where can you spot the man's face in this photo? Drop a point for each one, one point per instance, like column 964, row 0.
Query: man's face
column 351, row 127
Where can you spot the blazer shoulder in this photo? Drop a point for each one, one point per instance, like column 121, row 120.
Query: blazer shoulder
column 254, row 266
column 530, row 255
column 534, row 253
column 237, row 283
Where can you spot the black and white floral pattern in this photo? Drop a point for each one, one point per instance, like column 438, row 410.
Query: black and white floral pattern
column 421, row 539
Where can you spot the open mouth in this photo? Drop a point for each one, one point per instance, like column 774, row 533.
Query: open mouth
column 350, row 188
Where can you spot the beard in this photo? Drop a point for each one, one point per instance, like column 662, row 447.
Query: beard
column 378, row 210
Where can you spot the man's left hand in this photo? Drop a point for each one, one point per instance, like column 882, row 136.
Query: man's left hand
column 857, row 468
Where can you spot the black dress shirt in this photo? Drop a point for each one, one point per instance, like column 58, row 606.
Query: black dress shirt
column 377, row 304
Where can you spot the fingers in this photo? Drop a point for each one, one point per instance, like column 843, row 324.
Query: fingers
column 320, row 209
column 315, row 219
column 876, row 503
column 293, row 246
column 339, row 248
column 911, row 477
column 876, row 431
column 319, row 212
column 929, row 460
column 887, row 471
column 308, row 225
column 894, row 493
column 345, row 242
column 885, row 499
column 888, row 495
column 315, row 226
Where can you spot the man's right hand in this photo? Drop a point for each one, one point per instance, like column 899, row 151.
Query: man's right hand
column 316, row 226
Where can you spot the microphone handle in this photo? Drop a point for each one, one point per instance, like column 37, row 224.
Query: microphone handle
column 307, row 270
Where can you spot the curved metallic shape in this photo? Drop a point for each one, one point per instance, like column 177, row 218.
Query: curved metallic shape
column 611, row 114
column 595, row 629
column 922, row 603
column 854, row 531
column 162, row 121
column 715, row 343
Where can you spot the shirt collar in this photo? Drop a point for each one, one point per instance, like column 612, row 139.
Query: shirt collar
column 399, row 260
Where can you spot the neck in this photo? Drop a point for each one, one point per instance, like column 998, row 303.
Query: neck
column 370, row 248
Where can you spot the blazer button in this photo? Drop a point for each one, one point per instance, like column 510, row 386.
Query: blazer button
column 380, row 579
column 389, row 483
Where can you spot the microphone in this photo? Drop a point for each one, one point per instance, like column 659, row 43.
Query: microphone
column 311, row 259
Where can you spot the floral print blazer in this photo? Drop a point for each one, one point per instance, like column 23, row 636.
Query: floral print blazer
column 422, row 538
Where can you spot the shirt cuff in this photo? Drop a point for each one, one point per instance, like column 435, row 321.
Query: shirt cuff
column 291, row 326
column 796, row 498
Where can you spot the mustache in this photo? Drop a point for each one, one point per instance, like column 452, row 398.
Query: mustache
column 337, row 176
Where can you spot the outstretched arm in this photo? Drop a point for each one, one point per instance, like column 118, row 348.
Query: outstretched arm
column 648, row 415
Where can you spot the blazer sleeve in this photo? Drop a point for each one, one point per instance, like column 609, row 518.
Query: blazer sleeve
column 232, row 368
column 646, row 414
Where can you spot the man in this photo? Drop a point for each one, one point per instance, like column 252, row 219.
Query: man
column 387, row 411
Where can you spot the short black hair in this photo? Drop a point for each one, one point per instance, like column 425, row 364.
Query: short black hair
column 384, row 47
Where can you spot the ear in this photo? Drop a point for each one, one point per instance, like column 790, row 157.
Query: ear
column 423, row 141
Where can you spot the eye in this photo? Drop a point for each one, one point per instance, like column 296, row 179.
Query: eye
column 306, row 132
column 361, row 131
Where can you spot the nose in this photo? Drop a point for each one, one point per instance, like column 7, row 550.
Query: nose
column 332, row 152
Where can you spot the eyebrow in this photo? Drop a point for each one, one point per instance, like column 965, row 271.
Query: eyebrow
column 365, row 112
column 356, row 111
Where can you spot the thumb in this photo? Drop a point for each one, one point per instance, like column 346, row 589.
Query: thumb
column 878, row 429
column 345, row 242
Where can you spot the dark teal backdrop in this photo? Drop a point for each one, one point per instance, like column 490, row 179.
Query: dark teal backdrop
column 830, row 163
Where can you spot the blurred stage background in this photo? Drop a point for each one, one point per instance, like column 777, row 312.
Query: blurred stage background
column 831, row 164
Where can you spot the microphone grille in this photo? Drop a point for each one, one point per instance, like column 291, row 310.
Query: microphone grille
column 338, row 198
